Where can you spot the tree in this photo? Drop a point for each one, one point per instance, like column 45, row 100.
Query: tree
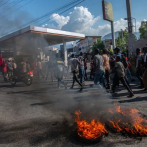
column 98, row 45
column 143, row 30
column 122, row 38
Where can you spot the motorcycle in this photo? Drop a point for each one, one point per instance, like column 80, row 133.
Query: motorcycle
column 26, row 78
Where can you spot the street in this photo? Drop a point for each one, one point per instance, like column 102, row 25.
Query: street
column 42, row 115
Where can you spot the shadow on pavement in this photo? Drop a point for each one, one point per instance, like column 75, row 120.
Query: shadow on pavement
column 137, row 99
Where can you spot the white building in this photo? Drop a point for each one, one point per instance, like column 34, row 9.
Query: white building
column 86, row 44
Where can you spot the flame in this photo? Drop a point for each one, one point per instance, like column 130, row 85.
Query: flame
column 137, row 125
column 92, row 130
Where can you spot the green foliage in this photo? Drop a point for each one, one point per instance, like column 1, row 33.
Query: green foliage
column 125, row 50
column 98, row 45
column 143, row 30
column 122, row 39
column 110, row 52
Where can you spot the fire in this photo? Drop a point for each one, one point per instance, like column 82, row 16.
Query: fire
column 92, row 130
column 137, row 125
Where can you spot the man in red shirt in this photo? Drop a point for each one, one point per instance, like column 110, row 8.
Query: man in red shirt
column 4, row 70
column 128, row 73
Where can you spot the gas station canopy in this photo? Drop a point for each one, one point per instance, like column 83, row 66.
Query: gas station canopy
column 51, row 36
column 28, row 40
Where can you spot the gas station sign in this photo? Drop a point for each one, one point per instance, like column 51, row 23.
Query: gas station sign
column 107, row 11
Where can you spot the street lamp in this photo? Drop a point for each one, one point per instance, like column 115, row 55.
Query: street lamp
column 132, row 18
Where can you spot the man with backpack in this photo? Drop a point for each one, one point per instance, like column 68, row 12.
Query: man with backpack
column 9, row 68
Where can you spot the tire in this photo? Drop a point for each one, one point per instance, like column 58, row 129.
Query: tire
column 12, row 80
column 28, row 81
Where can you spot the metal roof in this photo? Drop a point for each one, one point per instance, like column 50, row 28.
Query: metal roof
column 51, row 36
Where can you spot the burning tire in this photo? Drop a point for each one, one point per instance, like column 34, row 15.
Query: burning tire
column 89, row 141
column 90, row 131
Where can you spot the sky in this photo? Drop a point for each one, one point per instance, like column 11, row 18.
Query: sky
column 85, row 18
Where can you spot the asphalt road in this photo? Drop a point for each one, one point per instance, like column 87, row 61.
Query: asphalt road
column 43, row 115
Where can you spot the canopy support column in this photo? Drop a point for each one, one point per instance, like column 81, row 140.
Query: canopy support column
column 65, row 53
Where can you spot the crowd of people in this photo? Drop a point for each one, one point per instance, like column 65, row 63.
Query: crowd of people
column 11, row 67
column 108, row 71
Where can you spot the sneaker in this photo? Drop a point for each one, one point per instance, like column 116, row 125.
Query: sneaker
column 130, row 96
column 81, row 88
column 140, row 86
column 83, row 84
column 132, row 80
column 111, row 91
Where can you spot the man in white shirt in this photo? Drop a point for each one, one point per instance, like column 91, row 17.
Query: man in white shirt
column 74, row 62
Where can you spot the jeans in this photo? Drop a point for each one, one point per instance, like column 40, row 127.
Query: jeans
column 60, row 80
column 128, row 75
column 99, row 79
column 5, row 76
column 82, row 74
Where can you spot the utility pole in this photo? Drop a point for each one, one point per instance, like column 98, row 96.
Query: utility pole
column 131, row 41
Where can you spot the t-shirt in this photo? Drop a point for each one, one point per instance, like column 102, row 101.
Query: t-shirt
column 137, row 59
column 74, row 64
column 106, row 62
column 120, row 69
column 81, row 61
column 98, row 60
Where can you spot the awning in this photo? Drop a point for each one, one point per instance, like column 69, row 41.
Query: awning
column 37, row 37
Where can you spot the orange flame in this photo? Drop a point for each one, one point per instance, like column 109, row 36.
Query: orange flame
column 92, row 130
column 138, row 125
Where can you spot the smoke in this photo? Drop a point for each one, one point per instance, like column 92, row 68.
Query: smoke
column 11, row 21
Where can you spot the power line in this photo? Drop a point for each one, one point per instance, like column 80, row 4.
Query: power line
column 47, row 14
column 12, row 6
column 8, row 5
column 4, row 3
column 19, row 8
